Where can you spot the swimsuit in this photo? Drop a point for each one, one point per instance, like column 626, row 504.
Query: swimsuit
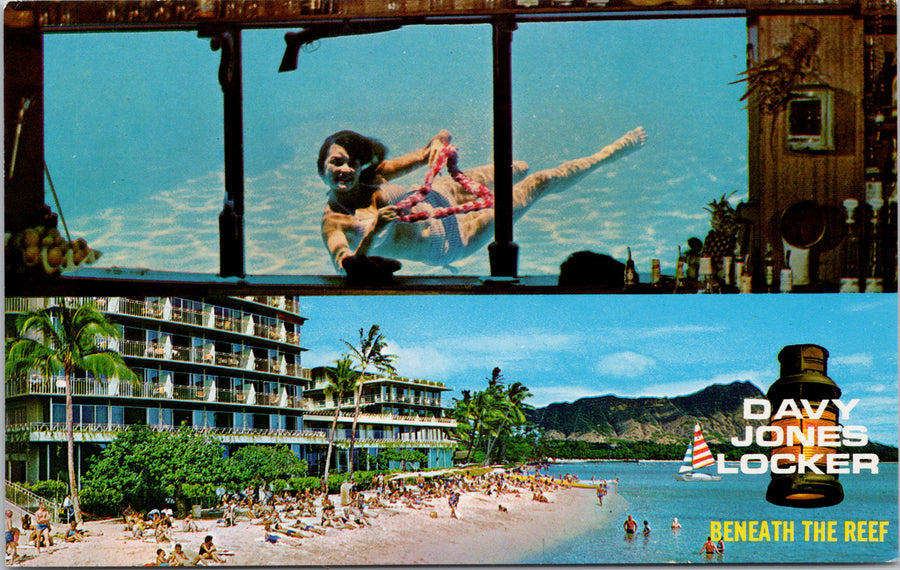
column 9, row 537
column 43, row 526
column 445, row 243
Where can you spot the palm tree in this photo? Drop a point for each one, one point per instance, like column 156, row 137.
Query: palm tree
column 514, row 402
column 65, row 339
column 342, row 379
column 369, row 352
column 483, row 412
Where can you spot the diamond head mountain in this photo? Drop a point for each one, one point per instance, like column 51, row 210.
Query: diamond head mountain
column 718, row 409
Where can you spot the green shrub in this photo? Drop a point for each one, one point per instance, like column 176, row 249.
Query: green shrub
column 52, row 490
column 279, row 485
column 301, row 483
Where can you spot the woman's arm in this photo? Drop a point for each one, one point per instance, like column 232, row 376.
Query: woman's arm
column 394, row 167
column 334, row 226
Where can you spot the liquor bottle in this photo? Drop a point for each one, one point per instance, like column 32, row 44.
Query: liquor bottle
column 655, row 274
column 890, row 229
column 770, row 269
column 874, row 277
column 630, row 277
column 704, row 273
column 850, row 271
column 746, row 276
column 787, row 275
column 727, row 266
column 679, row 272
column 738, row 266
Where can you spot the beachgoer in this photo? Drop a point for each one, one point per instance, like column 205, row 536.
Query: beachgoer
column 453, row 502
column 675, row 524
column 630, row 525
column 42, row 520
column 190, row 525
column 178, row 557
column 73, row 534
column 208, row 552
column 361, row 217
column 12, row 538
column 709, row 548
column 646, row 530
column 67, row 506
column 161, row 558
column 721, row 546
column 601, row 491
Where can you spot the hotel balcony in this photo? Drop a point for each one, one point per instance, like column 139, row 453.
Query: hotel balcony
column 163, row 310
column 206, row 355
column 372, row 399
column 104, row 433
column 394, row 419
column 154, row 391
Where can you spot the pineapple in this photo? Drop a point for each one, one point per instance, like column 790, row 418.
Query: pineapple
column 720, row 241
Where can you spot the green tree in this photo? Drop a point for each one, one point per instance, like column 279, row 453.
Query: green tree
column 341, row 380
column 369, row 352
column 142, row 467
column 404, row 455
column 64, row 339
column 514, row 408
column 267, row 463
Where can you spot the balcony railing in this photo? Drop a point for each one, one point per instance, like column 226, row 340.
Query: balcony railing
column 341, row 436
column 154, row 391
column 202, row 355
column 45, row 427
column 160, row 310
column 364, row 417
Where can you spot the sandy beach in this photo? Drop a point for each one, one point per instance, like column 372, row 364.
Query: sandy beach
column 398, row 536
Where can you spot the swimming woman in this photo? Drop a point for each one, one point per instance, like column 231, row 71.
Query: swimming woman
column 362, row 219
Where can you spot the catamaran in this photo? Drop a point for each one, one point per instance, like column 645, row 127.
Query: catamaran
column 696, row 456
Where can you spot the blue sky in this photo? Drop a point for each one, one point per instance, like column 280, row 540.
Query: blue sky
column 567, row 347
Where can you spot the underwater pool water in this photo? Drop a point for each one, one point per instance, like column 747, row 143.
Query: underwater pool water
column 135, row 148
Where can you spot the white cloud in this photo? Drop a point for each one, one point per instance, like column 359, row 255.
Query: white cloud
column 626, row 364
column 859, row 359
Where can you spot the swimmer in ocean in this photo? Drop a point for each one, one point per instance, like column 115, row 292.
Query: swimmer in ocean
column 361, row 217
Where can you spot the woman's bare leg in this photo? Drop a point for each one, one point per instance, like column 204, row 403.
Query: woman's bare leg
column 570, row 173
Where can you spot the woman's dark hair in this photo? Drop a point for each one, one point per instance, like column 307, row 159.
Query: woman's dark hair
column 368, row 151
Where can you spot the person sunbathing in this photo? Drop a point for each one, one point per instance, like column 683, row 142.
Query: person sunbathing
column 73, row 534
column 178, row 556
column 208, row 552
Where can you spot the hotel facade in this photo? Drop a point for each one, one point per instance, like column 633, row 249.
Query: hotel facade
column 230, row 367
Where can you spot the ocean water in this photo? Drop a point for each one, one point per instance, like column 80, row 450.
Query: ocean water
column 653, row 494
column 133, row 134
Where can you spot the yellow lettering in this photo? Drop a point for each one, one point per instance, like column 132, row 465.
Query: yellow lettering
column 832, row 526
column 740, row 530
column 849, row 528
column 787, row 531
column 882, row 529
column 764, row 531
column 715, row 530
column 726, row 530
column 806, row 525
column 753, row 537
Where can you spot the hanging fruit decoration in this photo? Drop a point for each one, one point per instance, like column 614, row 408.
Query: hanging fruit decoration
column 43, row 250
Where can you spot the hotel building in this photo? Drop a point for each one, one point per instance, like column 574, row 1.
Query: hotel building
column 228, row 366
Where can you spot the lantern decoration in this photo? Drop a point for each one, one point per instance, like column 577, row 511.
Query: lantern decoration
column 803, row 377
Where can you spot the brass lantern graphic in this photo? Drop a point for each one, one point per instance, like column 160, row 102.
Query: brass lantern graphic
column 803, row 377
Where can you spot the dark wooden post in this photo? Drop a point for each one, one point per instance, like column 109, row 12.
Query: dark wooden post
column 231, row 219
column 503, row 252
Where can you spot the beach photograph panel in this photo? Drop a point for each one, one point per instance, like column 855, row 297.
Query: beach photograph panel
column 544, row 422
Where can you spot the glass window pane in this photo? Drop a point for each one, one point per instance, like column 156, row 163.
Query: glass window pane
column 118, row 415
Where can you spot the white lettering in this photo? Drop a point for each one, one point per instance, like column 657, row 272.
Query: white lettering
column 748, row 438
column 750, row 403
column 855, row 436
column 845, row 408
column 788, row 409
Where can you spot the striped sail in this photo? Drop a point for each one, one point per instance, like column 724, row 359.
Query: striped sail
column 686, row 462
column 702, row 456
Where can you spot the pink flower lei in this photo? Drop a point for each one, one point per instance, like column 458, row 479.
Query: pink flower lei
column 484, row 198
